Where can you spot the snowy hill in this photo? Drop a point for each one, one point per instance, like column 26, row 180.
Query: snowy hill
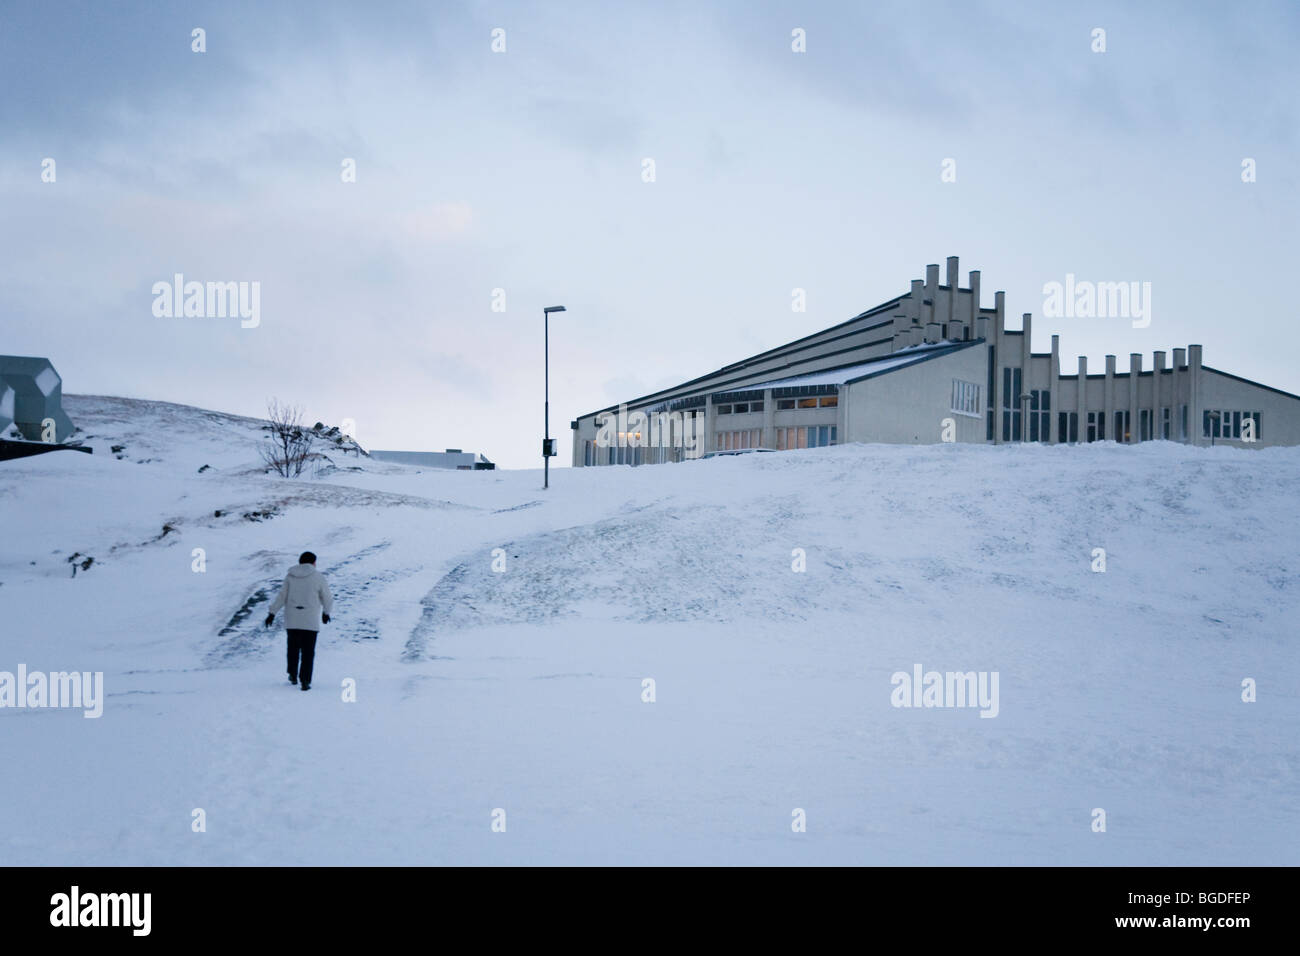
column 521, row 689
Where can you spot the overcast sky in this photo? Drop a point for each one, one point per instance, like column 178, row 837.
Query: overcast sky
column 523, row 171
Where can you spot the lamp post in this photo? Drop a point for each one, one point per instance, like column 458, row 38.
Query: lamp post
column 1214, row 426
column 547, row 448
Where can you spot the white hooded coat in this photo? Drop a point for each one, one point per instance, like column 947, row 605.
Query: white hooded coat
column 304, row 597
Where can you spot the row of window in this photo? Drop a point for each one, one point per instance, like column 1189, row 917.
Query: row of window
column 824, row 401
column 815, row 436
column 1219, row 423
column 1122, row 421
column 1040, row 409
column 594, row 454
column 782, row 404
column 745, row 438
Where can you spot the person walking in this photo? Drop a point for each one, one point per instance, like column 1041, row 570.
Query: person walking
column 307, row 603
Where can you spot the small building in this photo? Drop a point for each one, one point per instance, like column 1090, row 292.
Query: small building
column 935, row 365
column 31, row 399
column 453, row 458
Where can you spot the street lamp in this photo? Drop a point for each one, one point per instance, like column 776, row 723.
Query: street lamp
column 548, row 446
column 1214, row 426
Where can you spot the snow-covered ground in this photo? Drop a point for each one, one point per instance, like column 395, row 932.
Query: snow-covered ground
column 522, row 690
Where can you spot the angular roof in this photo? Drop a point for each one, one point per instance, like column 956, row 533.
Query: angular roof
column 878, row 366
column 713, row 382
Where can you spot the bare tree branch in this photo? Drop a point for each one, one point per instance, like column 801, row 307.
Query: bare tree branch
column 288, row 448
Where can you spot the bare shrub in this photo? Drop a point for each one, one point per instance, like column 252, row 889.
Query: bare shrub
column 288, row 449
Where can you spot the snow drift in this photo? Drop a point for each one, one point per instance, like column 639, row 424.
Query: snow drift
column 503, row 643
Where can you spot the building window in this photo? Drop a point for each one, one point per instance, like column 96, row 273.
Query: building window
column 1123, row 424
column 755, row 406
column 807, row 403
column 1228, row 424
column 1166, row 424
column 965, row 398
column 821, row 436
column 1182, row 423
column 1067, row 426
column 813, row 436
column 1144, row 424
column 783, row 404
column 722, row 409
column 829, row 401
column 789, row 438
column 993, row 364
column 1011, row 404
column 1040, row 415
column 740, row 408
column 1096, row 426
column 738, row 440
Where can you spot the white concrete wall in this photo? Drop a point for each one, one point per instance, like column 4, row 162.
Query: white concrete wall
column 908, row 405
column 1279, row 413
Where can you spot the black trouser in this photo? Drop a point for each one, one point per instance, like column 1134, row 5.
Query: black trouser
column 304, row 642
